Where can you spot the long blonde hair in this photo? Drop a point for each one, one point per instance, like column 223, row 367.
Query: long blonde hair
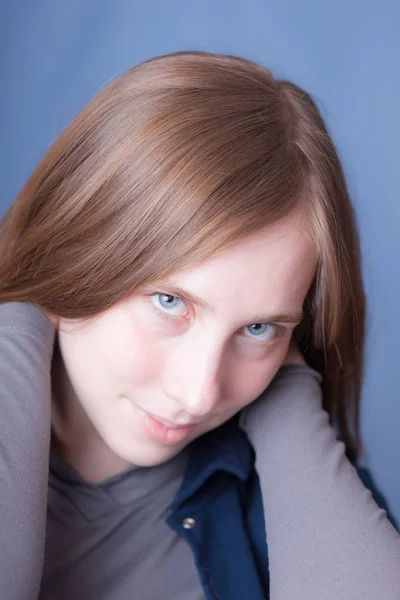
column 178, row 158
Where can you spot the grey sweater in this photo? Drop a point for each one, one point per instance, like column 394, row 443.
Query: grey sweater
column 327, row 538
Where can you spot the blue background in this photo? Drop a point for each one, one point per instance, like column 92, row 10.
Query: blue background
column 55, row 55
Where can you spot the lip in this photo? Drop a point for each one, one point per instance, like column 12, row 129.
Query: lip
column 170, row 424
column 159, row 431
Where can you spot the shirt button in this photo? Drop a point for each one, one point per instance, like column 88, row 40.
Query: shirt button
column 188, row 523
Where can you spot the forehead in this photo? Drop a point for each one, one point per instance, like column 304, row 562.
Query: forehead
column 269, row 270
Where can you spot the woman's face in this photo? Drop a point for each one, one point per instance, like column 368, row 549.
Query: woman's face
column 182, row 356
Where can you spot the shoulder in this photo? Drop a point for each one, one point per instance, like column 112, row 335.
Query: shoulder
column 369, row 482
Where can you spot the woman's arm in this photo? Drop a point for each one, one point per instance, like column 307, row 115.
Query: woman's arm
column 327, row 538
column 26, row 339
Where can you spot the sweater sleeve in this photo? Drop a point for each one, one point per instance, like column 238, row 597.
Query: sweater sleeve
column 327, row 538
column 26, row 340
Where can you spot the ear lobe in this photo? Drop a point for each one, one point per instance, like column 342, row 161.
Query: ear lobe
column 55, row 321
column 294, row 356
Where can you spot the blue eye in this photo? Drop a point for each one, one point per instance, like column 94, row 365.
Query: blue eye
column 262, row 331
column 168, row 304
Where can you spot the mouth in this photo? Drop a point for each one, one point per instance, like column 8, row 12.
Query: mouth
column 170, row 424
column 162, row 431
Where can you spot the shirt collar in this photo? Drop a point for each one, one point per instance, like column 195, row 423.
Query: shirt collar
column 223, row 449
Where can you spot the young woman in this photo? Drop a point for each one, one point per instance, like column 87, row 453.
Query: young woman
column 191, row 240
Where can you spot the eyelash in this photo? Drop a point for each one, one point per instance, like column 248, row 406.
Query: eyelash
column 280, row 330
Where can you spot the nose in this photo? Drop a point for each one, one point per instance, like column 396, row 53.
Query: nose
column 193, row 378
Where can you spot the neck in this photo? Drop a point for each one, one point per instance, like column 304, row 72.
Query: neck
column 74, row 435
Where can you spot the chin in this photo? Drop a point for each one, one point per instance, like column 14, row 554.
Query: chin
column 154, row 461
column 149, row 457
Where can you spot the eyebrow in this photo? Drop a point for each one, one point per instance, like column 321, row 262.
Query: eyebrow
column 174, row 290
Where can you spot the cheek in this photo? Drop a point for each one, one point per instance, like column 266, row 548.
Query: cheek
column 253, row 378
column 133, row 359
column 143, row 362
column 111, row 355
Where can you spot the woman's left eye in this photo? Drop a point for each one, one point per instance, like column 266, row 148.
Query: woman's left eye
column 264, row 332
column 168, row 304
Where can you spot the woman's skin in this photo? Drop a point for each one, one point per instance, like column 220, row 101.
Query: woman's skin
column 190, row 365
column 327, row 538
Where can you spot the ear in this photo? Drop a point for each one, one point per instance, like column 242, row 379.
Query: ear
column 53, row 320
column 294, row 356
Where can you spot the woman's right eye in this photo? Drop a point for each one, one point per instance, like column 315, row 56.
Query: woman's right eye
column 168, row 304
